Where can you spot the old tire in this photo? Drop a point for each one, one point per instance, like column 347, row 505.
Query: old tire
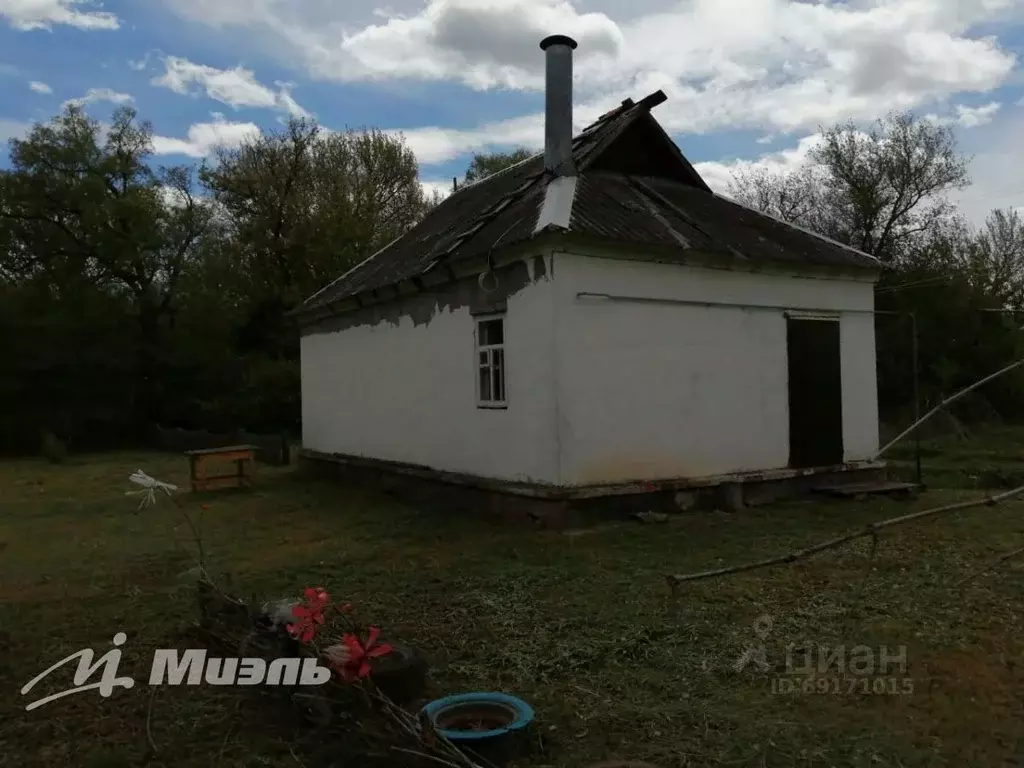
column 402, row 674
column 314, row 709
column 495, row 726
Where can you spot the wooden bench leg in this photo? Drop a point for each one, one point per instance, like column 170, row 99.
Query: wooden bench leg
column 200, row 483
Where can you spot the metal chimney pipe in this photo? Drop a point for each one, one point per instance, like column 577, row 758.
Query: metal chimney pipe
column 558, row 105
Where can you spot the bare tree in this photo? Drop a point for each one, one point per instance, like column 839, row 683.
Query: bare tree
column 873, row 189
column 889, row 183
column 793, row 197
column 995, row 259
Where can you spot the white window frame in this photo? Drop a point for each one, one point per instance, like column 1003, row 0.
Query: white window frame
column 494, row 359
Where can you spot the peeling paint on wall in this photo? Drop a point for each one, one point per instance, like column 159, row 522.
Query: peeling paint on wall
column 399, row 382
column 422, row 307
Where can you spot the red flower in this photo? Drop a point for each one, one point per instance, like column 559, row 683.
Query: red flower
column 359, row 655
column 204, row 506
column 308, row 616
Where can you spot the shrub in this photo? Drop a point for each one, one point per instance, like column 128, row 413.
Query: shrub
column 54, row 449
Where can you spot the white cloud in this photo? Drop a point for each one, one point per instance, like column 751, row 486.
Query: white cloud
column 972, row 117
column 718, row 174
column 101, row 94
column 479, row 42
column 996, row 152
column 236, row 87
column 994, row 148
column 204, row 138
column 140, row 64
column 287, row 103
column 430, row 187
column 438, row 145
column 39, row 87
column 43, row 14
column 967, row 117
column 780, row 66
column 483, row 43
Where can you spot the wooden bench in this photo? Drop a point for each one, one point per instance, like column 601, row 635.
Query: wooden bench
column 199, row 461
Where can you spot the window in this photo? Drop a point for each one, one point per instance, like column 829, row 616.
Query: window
column 490, row 353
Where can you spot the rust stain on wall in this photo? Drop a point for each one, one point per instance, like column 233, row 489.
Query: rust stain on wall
column 620, row 469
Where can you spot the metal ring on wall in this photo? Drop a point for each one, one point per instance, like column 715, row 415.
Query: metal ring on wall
column 483, row 276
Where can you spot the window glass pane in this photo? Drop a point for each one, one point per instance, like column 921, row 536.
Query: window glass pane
column 499, row 375
column 485, row 384
column 491, row 332
column 484, row 359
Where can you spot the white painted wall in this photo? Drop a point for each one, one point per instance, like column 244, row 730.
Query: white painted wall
column 598, row 391
column 408, row 393
column 667, row 390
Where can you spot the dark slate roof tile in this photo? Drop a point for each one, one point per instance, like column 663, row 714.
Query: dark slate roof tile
column 503, row 209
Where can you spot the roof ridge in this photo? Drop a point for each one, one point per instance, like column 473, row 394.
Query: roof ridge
column 496, row 174
column 455, row 226
column 647, row 103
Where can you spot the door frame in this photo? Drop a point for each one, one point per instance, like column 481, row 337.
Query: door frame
column 815, row 316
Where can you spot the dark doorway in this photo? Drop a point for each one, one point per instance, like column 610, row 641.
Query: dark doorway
column 815, row 393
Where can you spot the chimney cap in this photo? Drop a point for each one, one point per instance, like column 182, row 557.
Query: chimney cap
column 550, row 40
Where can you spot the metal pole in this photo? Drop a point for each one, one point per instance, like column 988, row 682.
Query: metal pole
column 917, row 400
column 916, row 385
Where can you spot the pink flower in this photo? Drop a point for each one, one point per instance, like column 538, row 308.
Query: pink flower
column 358, row 663
column 309, row 616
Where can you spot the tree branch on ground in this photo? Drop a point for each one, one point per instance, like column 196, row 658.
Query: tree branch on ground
column 869, row 530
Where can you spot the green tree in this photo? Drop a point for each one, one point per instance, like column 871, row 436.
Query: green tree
column 303, row 205
column 82, row 208
column 484, row 165
column 885, row 191
column 298, row 208
column 952, row 281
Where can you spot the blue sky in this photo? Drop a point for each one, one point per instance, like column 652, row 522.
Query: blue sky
column 749, row 81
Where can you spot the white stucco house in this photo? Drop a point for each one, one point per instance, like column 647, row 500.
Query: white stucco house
column 592, row 321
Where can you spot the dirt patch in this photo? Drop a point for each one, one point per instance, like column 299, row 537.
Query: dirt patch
column 968, row 701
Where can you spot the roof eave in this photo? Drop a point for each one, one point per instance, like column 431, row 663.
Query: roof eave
column 670, row 254
column 500, row 256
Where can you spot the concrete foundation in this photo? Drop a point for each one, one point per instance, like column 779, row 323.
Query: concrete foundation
column 558, row 507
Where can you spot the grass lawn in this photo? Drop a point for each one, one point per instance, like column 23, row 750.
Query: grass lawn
column 575, row 624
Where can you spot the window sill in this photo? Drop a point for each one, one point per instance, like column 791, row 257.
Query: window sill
column 493, row 406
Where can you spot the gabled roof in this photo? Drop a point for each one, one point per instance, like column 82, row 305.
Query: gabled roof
column 634, row 188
